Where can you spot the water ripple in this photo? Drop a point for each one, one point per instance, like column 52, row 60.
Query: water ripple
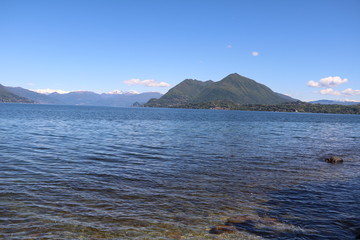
column 113, row 173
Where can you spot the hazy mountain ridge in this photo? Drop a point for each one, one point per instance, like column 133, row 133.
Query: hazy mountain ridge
column 114, row 99
column 34, row 96
column 7, row 96
column 95, row 99
column 334, row 102
column 233, row 88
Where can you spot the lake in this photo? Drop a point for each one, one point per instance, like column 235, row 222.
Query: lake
column 77, row 172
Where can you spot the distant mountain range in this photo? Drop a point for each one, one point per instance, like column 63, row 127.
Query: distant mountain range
column 234, row 88
column 326, row 102
column 104, row 99
column 34, row 96
column 114, row 99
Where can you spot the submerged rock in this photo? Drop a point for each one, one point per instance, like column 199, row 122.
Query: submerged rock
column 247, row 223
column 222, row 229
column 239, row 219
column 334, row 159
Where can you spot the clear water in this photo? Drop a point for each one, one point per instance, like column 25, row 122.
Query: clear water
column 69, row 172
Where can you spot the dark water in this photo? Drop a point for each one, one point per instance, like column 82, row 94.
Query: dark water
column 135, row 173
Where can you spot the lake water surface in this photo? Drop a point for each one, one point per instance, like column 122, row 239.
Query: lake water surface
column 75, row 172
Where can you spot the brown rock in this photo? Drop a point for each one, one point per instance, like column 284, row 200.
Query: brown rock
column 222, row 229
column 334, row 159
column 239, row 219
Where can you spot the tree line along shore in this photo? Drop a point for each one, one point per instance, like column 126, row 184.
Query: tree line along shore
column 284, row 107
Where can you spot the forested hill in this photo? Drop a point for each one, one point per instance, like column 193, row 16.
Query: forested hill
column 233, row 88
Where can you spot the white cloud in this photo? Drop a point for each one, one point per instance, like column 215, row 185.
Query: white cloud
column 115, row 92
column 346, row 92
column 229, row 46
column 49, row 91
column 350, row 100
column 330, row 91
column 312, row 83
column 255, row 54
column 327, row 82
column 148, row 83
column 132, row 92
column 350, row 91
column 119, row 92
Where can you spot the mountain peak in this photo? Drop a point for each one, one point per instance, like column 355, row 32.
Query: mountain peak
column 233, row 88
column 234, row 75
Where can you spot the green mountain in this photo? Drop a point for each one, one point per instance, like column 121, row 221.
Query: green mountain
column 183, row 93
column 8, row 97
column 287, row 98
column 233, row 88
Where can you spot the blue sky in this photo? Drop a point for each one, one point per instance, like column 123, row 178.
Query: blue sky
column 154, row 45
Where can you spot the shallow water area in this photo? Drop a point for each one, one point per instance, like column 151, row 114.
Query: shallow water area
column 76, row 172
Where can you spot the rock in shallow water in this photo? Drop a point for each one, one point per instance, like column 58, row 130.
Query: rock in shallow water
column 246, row 223
column 239, row 219
column 222, row 229
column 334, row 159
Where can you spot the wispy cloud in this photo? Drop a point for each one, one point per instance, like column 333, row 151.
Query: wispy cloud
column 148, row 83
column 346, row 92
column 330, row 91
column 49, row 91
column 350, row 100
column 229, row 46
column 255, row 54
column 350, row 91
column 327, row 82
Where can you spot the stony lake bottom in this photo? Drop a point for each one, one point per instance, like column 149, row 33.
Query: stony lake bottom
column 76, row 172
